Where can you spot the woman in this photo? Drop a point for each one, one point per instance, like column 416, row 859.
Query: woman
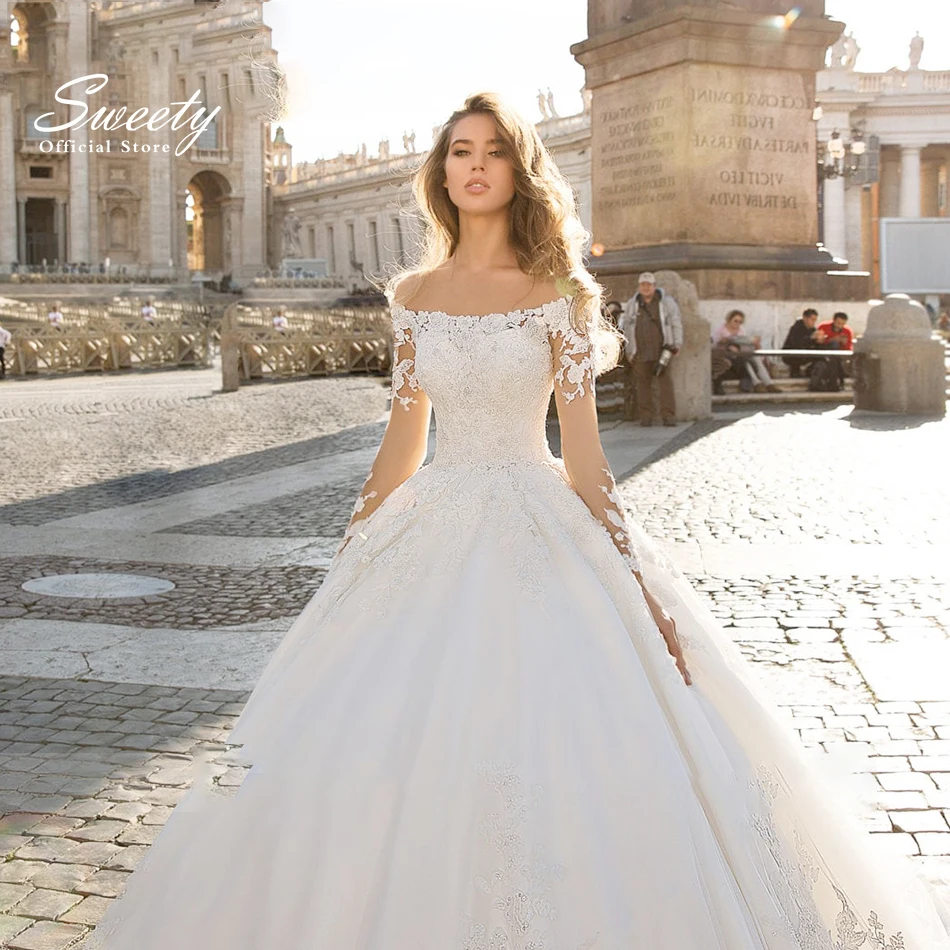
column 483, row 732
column 730, row 333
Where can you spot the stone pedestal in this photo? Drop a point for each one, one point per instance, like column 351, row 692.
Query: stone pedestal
column 692, row 381
column 702, row 140
column 898, row 367
column 230, row 373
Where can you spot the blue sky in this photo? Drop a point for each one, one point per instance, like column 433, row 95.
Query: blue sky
column 364, row 71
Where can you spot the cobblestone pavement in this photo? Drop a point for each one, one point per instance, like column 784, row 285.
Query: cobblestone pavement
column 62, row 435
column 799, row 477
column 204, row 596
column 90, row 770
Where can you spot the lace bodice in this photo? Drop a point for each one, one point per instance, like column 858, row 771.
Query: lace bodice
column 489, row 379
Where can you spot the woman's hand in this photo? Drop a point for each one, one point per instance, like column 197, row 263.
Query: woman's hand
column 667, row 626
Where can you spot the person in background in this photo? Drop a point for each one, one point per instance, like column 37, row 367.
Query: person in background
column 836, row 334
column 5, row 337
column 149, row 313
column 802, row 335
column 650, row 324
column 55, row 316
column 731, row 333
column 280, row 321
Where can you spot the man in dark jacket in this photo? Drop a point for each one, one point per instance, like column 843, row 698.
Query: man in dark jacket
column 802, row 335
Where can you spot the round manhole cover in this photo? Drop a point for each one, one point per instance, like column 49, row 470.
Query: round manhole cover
column 98, row 586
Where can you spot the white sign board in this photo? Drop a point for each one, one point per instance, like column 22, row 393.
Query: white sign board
column 915, row 255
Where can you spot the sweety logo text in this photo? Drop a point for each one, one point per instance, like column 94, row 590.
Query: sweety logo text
column 192, row 115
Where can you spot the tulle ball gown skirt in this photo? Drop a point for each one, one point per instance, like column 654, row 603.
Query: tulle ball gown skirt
column 474, row 738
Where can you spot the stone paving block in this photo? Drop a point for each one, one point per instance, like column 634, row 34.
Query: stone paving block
column 88, row 911
column 86, row 808
column 895, row 707
column 54, row 826
column 128, row 811
column 17, row 823
column 905, row 781
column 933, row 843
column 47, row 935
column 914, row 821
column 80, row 786
column 45, row 849
column 61, row 877
column 46, row 904
column 11, row 925
column 888, row 763
column 896, row 747
column 45, row 804
column 19, row 872
column 99, row 853
column 104, row 884
column 98, row 830
column 12, row 894
column 892, row 801
column 139, row 834
column 156, row 815
column 930, row 763
column 127, row 858
column 898, row 843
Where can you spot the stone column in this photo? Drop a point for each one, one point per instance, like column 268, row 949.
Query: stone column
column 834, row 216
column 8, row 209
column 910, row 181
column 252, row 222
column 60, row 225
column 77, row 56
column 21, row 230
column 161, row 172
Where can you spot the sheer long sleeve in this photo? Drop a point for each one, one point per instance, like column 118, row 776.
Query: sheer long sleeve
column 403, row 448
column 584, row 459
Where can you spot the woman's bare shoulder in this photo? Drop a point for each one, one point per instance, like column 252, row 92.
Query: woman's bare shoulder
column 408, row 286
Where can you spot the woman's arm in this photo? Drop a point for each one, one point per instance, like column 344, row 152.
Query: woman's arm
column 587, row 466
column 583, row 454
column 403, row 448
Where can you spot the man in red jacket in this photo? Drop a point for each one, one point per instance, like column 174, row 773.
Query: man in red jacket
column 836, row 334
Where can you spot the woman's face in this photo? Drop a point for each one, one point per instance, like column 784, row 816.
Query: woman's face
column 479, row 174
column 735, row 322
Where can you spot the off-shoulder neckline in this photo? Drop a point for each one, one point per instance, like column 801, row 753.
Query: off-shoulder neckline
column 523, row 311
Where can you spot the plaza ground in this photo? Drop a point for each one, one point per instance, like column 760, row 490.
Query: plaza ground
column 819, row 537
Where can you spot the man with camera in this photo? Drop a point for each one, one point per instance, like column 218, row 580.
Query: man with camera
column 653, row 334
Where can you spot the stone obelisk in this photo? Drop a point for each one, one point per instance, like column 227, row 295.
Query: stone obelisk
column 703, row 144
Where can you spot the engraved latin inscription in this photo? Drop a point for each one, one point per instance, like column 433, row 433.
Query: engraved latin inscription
column 748, row 143
column 636, row 154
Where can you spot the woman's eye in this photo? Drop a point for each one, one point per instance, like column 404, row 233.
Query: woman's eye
column 498, row 153
column 460, row 151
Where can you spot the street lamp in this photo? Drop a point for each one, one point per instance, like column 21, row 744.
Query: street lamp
column 842, row 159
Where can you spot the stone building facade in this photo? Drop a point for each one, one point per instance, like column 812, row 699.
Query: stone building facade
column 352, row 212
column 351, row 216
column 901, row 118
column 128, row 194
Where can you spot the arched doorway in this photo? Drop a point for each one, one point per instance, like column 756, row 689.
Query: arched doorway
column 205, row 216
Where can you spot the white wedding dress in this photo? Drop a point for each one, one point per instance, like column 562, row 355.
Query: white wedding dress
column 474, row 737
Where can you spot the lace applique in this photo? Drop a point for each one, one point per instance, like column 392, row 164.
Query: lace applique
column 575, row 357
column 405, row 381
column 615, row 516
column 796, row 876
column 521, row 884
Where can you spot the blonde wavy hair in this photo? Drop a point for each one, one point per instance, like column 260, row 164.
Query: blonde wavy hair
column 545, row 230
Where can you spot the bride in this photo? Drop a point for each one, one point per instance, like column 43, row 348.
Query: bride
column 504, row 721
